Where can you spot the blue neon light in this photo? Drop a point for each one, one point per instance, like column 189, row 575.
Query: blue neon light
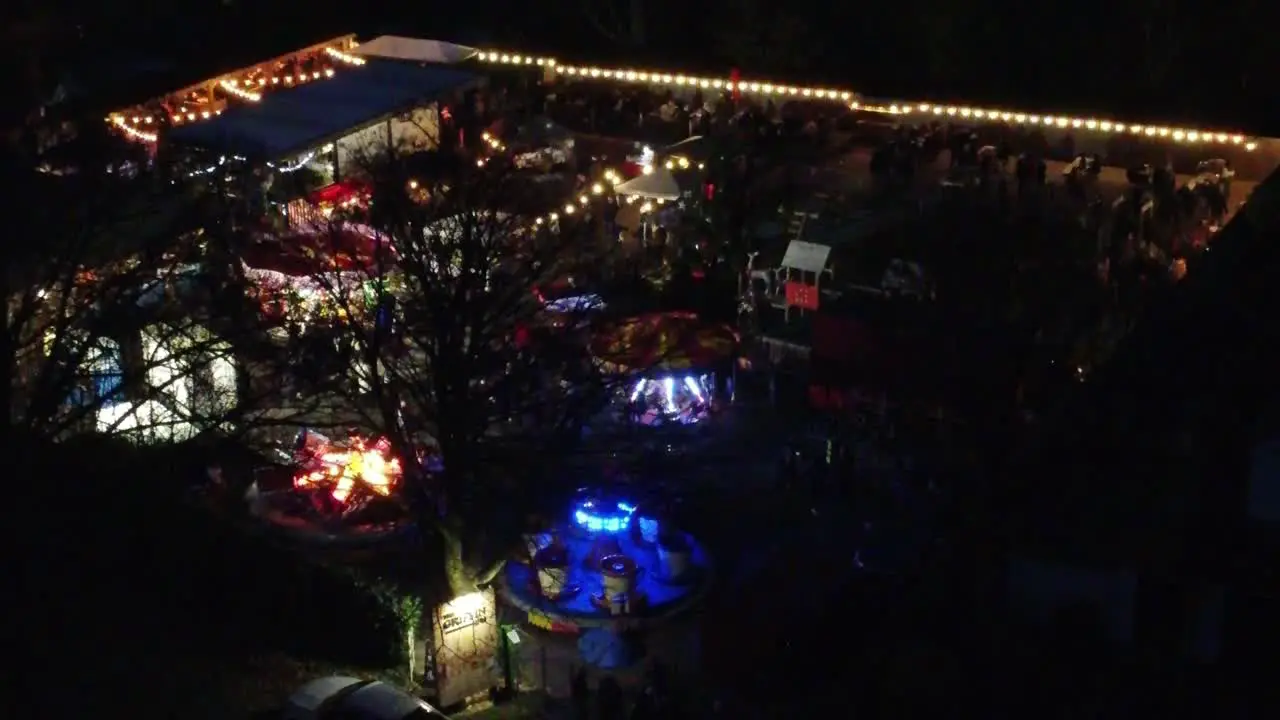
column 590, row 517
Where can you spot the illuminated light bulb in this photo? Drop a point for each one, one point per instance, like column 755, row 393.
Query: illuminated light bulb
column 505, row 59
column 845, row 95
column 923, row 107
column 1076, row 123
column 648, row 170
column 1250, row 147
column 1091, row 124
column 965, row 112
column 1179, row 135
column 767, row 89
column 670, row 165
column 1062, row 122
column 1237, row 139
column 1191, row 136
column 644, row 77
column 583, row 199
column 597, row 188
column 150, row 120
column 231, row 87
column 1006, row 116
column 807, row 92
column 553, row 217
column 1221, row 137
column 1135, row 129
column 537, row 221
column 568, row 209
column 1163, row 132
column 275, row 81
column 978, row 113
column 191, row 116
column 666, row 78
column 1019, row 118
column 951, row 111
column 205, row 114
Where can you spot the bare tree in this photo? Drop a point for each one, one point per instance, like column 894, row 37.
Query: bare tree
column 113, row 323
column 766, row 38
column 620, row 21
column 435, row 334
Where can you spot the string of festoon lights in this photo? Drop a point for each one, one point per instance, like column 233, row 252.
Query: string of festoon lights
column 247, row 89
column 854, row 102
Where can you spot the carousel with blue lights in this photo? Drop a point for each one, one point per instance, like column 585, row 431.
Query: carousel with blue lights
column 610, row 562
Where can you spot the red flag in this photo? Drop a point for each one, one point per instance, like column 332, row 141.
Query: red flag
column 735, row 77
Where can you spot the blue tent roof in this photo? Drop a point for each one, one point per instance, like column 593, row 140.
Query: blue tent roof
column 289, row 121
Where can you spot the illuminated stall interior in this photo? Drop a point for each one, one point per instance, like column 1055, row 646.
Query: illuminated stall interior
column 190, row 381
column 331, row 127
column 209, row 98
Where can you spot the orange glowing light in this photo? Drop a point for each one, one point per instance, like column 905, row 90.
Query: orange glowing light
column 358, row 464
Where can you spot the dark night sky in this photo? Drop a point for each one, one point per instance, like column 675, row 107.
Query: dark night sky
column 1091, row 57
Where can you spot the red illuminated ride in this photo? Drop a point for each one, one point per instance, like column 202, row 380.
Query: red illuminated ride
column 335, row 491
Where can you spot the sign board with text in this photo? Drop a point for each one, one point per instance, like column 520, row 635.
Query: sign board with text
column 806, row 256
column 464, row 648
column 802, row 295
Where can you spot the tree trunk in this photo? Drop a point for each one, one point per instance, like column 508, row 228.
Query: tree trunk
column 459, row 574
column 465, row 577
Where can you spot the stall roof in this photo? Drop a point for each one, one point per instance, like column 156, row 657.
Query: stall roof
column 294, row 120
column 416, row 49
column 660, row 184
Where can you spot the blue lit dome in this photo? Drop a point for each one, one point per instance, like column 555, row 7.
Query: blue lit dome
column 594, row 515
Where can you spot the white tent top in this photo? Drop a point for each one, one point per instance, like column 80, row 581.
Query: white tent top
column 659, row 184
column 406, row 48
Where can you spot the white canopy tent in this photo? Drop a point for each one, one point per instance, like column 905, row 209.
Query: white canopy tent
column 659, row 184
column 405, row 48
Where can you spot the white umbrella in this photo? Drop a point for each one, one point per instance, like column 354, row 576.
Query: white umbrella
column 659, row 184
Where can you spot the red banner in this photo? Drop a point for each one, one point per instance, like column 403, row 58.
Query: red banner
column 802, row 296
column 735, row 77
